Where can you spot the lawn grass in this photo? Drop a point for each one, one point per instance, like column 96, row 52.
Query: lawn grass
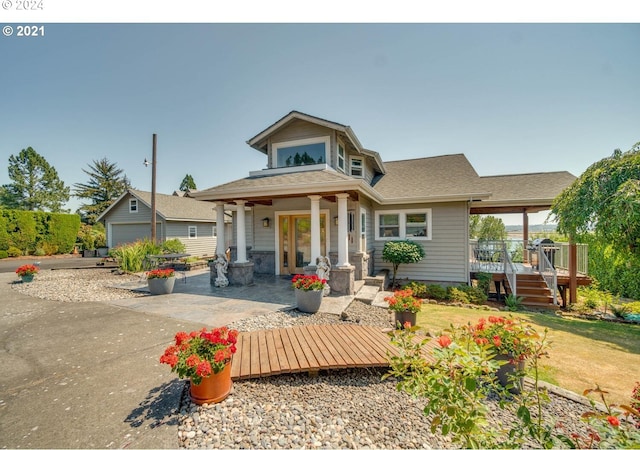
column 583, row 353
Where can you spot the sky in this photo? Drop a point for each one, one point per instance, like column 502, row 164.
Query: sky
column 513, row 97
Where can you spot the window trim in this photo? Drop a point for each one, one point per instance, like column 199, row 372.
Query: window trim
column 351, row 160
column 189, row 228
column 286, row 144
column 342, row 157
column 402, row 224
column 133, row 201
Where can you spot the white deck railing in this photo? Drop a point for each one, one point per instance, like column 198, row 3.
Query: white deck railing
column 510, row 269
column 547, row 270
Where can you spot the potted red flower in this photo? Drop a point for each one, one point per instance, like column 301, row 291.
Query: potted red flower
column 26, row 272
column 161, row 281
column 205, row 358
column 405, row 306
column 309, row 291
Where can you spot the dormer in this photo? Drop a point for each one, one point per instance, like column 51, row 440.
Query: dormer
column 300, row 142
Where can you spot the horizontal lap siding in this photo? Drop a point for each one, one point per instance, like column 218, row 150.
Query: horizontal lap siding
column 203, row 245
column 127, row 227
column 445, row 254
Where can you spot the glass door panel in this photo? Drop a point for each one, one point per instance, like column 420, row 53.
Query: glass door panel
column 295, row 242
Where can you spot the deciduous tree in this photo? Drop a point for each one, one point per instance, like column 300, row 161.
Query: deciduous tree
column 605, row 200
column 36, row 185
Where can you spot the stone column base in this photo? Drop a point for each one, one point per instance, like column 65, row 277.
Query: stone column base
column 240, row 274
column 343, row 280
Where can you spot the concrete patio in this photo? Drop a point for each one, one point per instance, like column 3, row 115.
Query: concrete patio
column 195, row 299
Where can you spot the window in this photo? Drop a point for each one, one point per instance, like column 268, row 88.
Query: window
column 409, row 224
column 193, row 232
column 214, row 232
column 301, row 153
column 133, row 205
column 356, row 167
column 340, row 157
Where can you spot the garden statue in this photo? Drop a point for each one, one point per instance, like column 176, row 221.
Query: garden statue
column 221, row 268
column 323, row 268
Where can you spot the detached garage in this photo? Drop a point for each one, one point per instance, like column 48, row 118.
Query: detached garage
column 191, row 221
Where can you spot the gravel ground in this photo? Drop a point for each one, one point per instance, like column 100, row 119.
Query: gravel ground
column 350, row 408
column 78, row 285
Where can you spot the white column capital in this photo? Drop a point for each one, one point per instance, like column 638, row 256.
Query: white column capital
column 342, row 195
column 314, row 198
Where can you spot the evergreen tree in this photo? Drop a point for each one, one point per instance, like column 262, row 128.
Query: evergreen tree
column 106, row 183
column 36, row 185
column 188, row 184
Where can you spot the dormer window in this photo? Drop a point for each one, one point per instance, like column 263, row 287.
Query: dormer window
column 301, row 153
column 133, row 205
column 357, row 168
column 341, row 157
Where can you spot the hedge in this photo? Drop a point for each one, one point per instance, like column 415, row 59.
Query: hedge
column 29, row 230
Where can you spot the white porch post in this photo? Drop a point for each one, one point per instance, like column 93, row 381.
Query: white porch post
column 241, row 238
column 343, row 237
column 315, row 228
column 221, row 238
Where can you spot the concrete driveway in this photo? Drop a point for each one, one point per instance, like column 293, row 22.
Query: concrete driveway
column 86, row 375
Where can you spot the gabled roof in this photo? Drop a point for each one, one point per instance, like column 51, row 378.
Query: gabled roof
column 428, row 179
column 171, row 207
column 259, row 141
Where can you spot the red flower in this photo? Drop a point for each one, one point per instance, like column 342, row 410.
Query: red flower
column 172, row 360
column 444, row 341
column 193, row 361
column 614, row 421
column 497, row 341
column 181, row 336
column 204, row 369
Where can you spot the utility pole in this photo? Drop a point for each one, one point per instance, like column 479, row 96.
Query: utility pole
column 153, row 190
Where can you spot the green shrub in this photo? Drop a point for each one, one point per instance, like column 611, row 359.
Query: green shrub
column 39, row 252
column 419, row 289
column 131, row 257
column 173, row 246
column 456, row 294
column 466, row 294
column 620, row 310
column 14, row 251
column 513, row 302
column 483, row 280
column 49, row 248
column 436, row 291
column 3, row 254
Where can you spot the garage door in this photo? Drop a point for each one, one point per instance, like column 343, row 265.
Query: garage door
column 127, row 233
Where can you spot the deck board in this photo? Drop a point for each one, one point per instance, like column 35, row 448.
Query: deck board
column 311, row 348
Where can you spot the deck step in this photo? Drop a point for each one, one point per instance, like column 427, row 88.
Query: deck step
column 533, row 290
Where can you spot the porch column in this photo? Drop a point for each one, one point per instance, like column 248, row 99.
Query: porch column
column 573, row 270
column 221, row 239
column 241, row 238
column 315, row 228
column 343, row 237
column 525, row 235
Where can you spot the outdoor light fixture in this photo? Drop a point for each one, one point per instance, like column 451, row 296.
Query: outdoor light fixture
column 335, row 220
column 265, row 222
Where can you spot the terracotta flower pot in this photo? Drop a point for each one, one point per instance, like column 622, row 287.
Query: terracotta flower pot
column 213, row 389
column 405, row 316
column 159, row 286
column 308, row 301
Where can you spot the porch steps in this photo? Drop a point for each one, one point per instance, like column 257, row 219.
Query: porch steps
column 367, row 294
column 534, row 290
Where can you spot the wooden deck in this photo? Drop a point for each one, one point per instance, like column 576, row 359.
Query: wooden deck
column 311, row 348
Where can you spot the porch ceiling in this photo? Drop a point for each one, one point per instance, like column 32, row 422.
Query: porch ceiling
column 511, row 209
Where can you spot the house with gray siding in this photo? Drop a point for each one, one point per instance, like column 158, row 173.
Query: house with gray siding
column 324, row 194
column 191, row 221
